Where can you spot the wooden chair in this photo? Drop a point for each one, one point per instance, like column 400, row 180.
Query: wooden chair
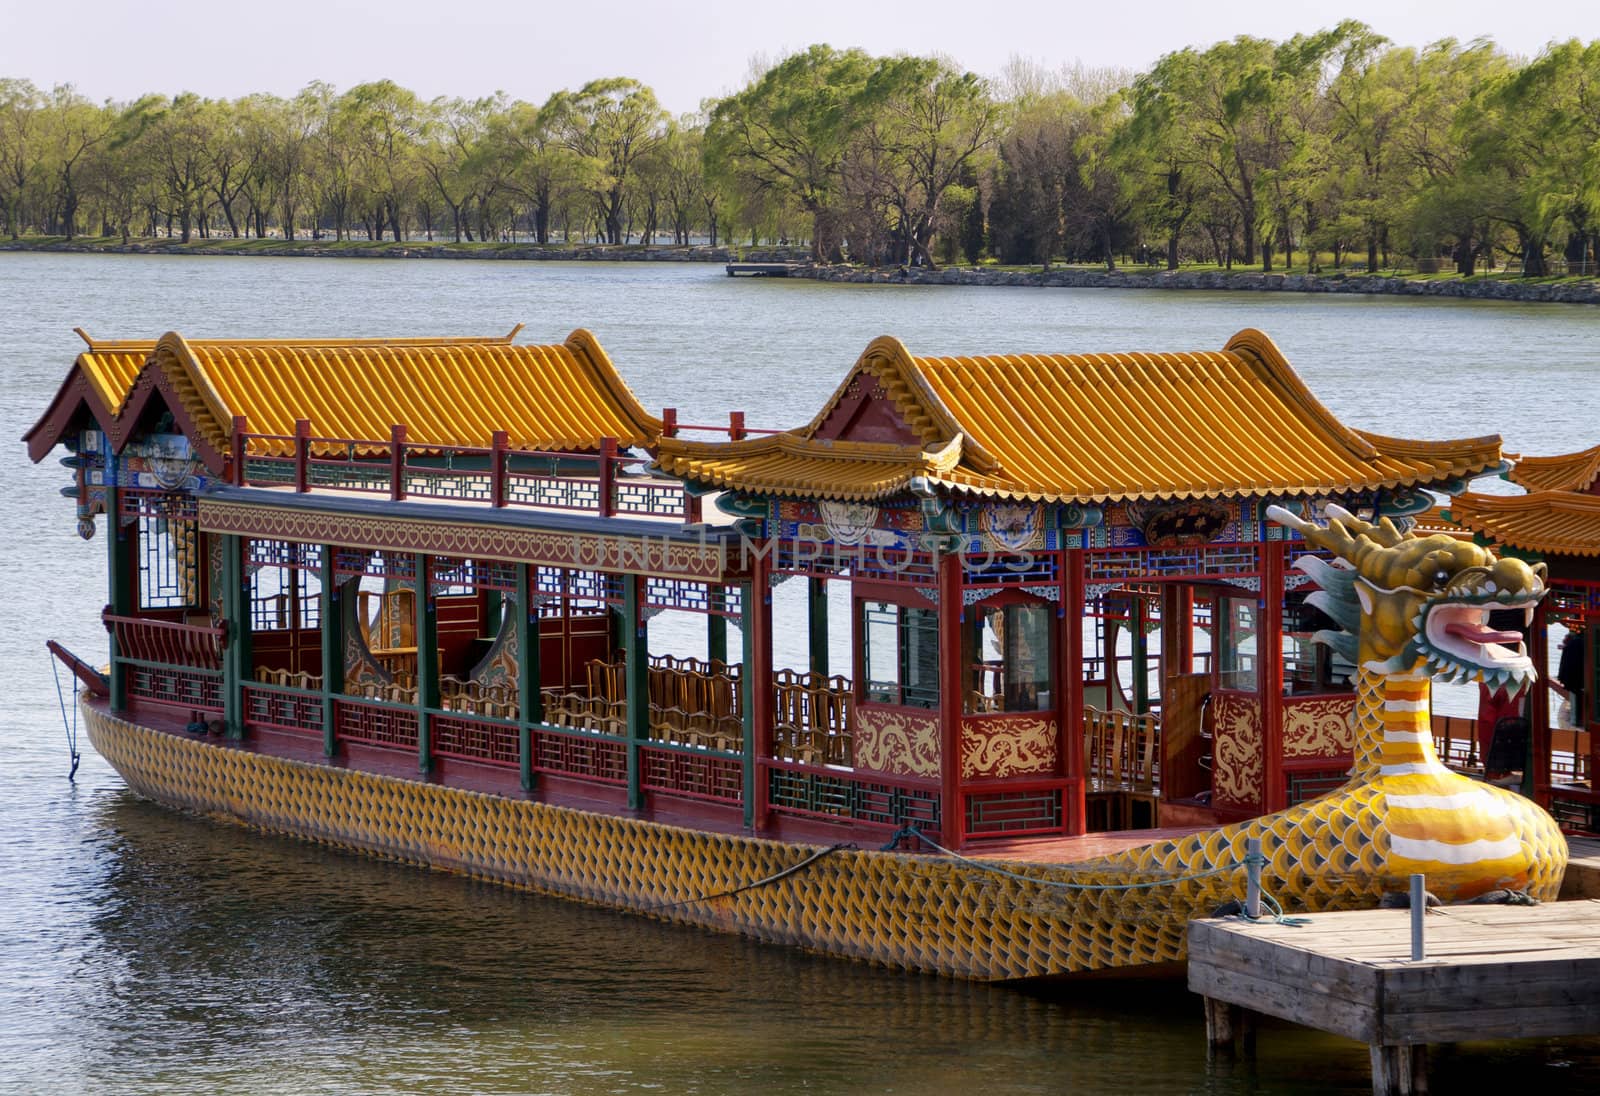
column 1141, row 777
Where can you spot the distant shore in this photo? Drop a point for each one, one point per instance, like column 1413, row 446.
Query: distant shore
column 1505, row 288
column 1482, row 287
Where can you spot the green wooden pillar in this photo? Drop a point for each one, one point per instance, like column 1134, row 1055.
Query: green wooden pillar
column 236, row 615
column 717, row 638
column 637, row 669
column 332, row 649
column 817, row 619
column 427, row 665
column 120, row 589
column 1141, row 655
column 530, row 702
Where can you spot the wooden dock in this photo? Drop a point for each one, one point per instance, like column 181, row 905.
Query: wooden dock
column 763, row 270
column 1490, row 972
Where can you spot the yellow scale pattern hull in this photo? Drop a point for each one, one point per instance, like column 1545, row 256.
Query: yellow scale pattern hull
column 923, row 913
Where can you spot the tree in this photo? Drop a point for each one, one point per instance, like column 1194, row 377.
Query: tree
column 179, row 138
column 1447, row 210
column 21, row 147
column 610, row 123
column 787, row 134
column 384, row 123
column 935, row 124
column 452, row 133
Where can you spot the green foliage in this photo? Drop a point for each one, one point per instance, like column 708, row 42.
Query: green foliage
column 1323, row 148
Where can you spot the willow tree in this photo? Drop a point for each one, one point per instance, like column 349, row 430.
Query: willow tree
column 609, row 123
column 937, row 124
column 788, row 133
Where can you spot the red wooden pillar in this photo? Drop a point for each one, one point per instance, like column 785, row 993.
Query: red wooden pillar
column 953, row 820
column 1070, row 686
column 497, row 468
column 1269, row 672
column 608, row 474
column 757, row 626
column 1539, row 704
column 236, row 445
column 302, row 455
column 1177, row 631
column 397, row 462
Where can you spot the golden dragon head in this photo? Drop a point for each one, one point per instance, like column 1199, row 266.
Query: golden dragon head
column 1416, row 601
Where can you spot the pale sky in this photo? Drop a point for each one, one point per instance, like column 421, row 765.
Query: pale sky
column 688, row 52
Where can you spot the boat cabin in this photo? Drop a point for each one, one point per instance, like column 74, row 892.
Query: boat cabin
column 447, row 559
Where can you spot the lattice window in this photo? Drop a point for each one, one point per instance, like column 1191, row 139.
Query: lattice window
column 838, row 796
column 659, row 498
column 1309, row 785
column 181, row 688
column 169, row 561
column 285, row 598
column 1571, row 601
column 1018, row 569
column 689, row 596
column 1208, row 561
column 1014, row 812
column 352, row 562
column 555, row 492
column 694, row 775
column 452, row 576
column 284, row 553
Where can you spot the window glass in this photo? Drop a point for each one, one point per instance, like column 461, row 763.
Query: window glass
column 919, row 632
column 1236, row 644
column 881, row 636
column 1008, row 657
column 900, row 654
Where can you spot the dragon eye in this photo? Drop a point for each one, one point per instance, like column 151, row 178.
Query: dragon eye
column 1441, row 577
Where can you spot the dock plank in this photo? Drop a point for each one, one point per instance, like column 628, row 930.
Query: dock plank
column 1490, row 972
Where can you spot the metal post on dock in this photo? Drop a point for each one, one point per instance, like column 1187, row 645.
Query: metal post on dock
column 1252, row 875
column 1419, row 908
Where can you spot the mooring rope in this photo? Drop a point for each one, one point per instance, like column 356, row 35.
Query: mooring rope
column 766, row 881
column 1255, row 859
column 72, row 728
column 1061, row 884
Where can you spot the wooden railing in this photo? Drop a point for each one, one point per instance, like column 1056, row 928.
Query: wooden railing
column 1455, row 739
column 195, row 646
column 608, row 481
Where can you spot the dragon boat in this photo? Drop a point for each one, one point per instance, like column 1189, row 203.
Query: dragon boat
column 1025, row 649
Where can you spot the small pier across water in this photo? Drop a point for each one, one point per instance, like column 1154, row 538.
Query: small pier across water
column 764, row 270
column 1490, row 972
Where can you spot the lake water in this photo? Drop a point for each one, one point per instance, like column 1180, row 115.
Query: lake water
column 143, row 951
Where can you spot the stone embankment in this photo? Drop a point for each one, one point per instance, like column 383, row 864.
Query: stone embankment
column 1572, row 292
column 412, row 249
column 1509, row 289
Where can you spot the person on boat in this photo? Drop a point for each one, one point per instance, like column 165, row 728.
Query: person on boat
column 1569, row 676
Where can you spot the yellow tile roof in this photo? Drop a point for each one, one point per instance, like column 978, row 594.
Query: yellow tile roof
column 1096, row 428
column 1567, row 472
column 447, row 392
column 1554, row 522
column 791, row 465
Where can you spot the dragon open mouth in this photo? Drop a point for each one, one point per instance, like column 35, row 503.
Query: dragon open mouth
column 1456, row 639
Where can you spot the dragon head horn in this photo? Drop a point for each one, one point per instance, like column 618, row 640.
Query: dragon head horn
column 1383, row 534
column 1335, row 536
